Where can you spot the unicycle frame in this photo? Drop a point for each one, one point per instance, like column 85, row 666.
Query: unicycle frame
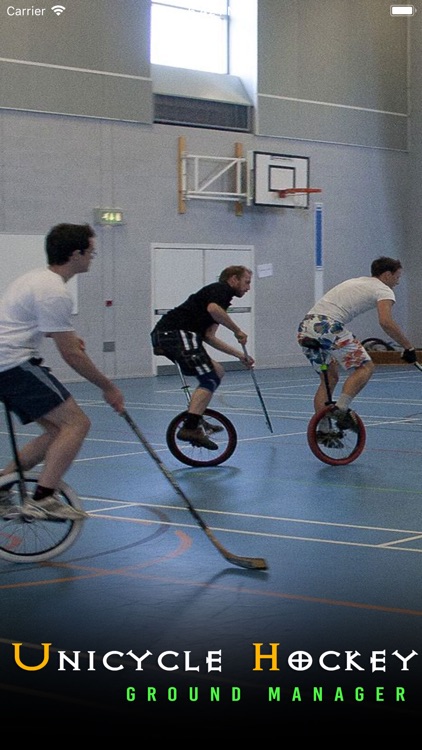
column 25, row 538
column 15, row 452
column 196, row 455
column 185, row 385
column 347, row 444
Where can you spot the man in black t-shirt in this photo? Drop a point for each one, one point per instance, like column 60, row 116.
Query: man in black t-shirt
column 180, row 334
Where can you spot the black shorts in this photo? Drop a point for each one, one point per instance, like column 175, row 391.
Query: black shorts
column 31, row 391
column 185, row 348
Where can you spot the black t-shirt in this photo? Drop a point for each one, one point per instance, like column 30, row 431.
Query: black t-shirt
column 192, row 314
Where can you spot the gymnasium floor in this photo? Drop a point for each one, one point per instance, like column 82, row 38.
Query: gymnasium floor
column 342, row 544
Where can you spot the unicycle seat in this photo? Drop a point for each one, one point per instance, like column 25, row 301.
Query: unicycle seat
column 309, row 343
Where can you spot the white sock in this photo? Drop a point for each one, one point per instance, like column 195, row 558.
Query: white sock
column 344, row 402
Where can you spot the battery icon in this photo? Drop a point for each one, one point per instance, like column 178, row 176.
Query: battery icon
column 402, row 10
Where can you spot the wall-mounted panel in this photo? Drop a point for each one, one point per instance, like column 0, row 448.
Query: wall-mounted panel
column 315, row 121
column 38, row 88
column 91, row 60
column 333, row 71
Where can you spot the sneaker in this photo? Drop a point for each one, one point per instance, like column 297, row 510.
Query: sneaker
column 24, row 512
column 6, row 504
column 196, row 437
column 346, row 420
column 329, row 439
column 211, row 428
column 50, row 508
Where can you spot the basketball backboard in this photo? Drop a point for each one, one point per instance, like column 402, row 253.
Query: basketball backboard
column 277, row 172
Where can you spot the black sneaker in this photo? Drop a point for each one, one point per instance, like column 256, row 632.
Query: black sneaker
column 196, row 437
column 210, row 427
column 346, row 420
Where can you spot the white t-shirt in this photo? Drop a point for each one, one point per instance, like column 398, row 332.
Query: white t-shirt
column 351, row 298
column 36, row 303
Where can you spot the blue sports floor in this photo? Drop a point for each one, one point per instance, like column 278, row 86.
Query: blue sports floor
column 343, row 547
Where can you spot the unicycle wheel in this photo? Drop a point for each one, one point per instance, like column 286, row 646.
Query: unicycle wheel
column 331, row 444
column 35, row 540
column 377, row 345
column 217, row 427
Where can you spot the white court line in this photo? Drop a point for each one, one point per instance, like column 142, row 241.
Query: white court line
column 374, row 421
column 370, row 422
column 107, row 457
column 162, row 448
column 258, row 516
column 244, row 532
column 122, row 505
column 416, row 537
column 391, row 545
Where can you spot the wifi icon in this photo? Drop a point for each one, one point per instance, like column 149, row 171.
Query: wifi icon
column 58, row 9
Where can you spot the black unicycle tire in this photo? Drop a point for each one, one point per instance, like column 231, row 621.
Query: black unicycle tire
column 191, row 455
column 377, row 345
column 352, row 442
column 23, row 541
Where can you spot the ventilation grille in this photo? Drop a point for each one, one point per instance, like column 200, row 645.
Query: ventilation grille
column 200, row 113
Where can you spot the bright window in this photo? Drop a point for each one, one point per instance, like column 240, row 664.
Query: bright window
column 190, row 34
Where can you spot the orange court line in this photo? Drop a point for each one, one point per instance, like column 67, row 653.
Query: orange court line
column 185, row 544
column 235, row 589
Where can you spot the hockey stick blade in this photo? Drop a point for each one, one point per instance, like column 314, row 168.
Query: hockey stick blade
column 419, row 366
column 259, row 394
column 251, row 563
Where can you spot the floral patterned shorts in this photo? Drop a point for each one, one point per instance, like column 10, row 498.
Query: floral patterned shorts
column 335, row 341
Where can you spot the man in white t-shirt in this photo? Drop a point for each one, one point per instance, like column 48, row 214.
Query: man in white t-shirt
column 327, row 321
column 36, row 305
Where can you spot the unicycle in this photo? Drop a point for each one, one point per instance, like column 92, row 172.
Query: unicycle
column 216, row 425
column 29, row 540
column 377, row 345
column 328, row 441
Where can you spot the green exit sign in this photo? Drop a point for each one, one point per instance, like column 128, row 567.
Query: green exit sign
column 108, row 216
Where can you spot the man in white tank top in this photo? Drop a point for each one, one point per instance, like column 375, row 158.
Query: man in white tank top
column 327, row 321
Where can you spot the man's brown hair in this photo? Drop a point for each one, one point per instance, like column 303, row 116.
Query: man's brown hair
column 230, row 271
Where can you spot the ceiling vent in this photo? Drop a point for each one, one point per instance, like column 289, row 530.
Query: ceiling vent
column 199, row 99
column 177, row 110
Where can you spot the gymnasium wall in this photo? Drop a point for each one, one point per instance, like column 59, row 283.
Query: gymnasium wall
column 60, row 163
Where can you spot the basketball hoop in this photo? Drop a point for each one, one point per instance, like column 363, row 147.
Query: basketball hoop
column 297, row 191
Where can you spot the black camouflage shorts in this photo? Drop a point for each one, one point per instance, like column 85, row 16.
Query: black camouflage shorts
column 184, row 347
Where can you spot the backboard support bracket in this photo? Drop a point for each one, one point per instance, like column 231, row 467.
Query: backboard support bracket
column 205, row 178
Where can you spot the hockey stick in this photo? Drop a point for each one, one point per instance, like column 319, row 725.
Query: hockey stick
column 257, row 388
column 254, row 563
column 419, row 366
